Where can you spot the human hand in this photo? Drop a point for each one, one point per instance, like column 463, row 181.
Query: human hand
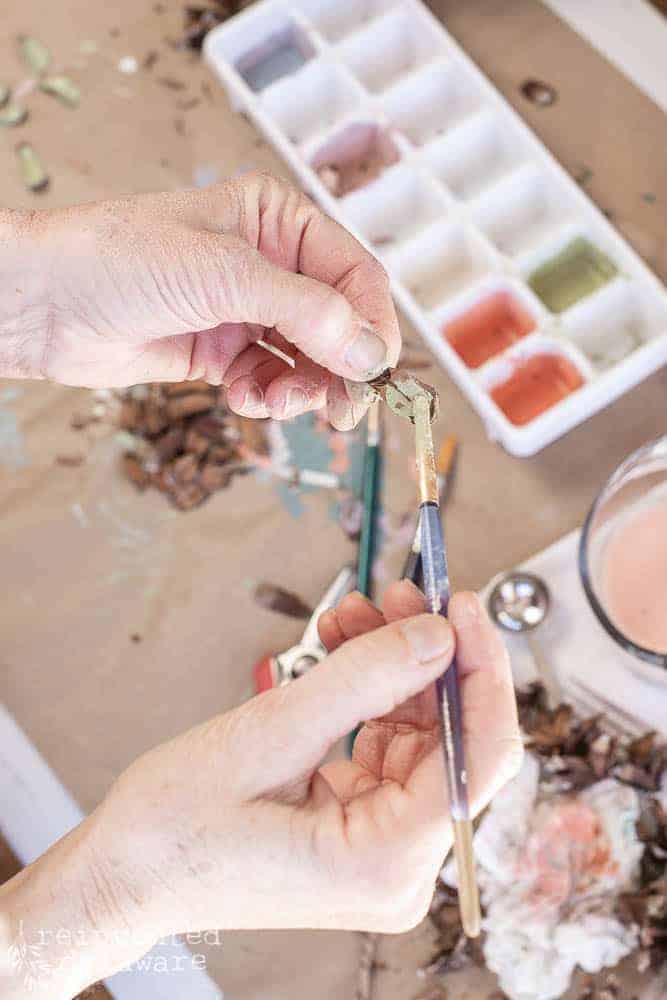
column 175, row 286
column 237, row 824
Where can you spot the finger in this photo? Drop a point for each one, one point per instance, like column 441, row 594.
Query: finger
column 478, row 644
column 318, row 319
column 291, row 232
column 330, row 631
column 297, row 390
column 246, row 392
column 492, row 739
column 357, row 615
column 354, row 616
column 403, row 599
column 347, row 402
column 365, row 677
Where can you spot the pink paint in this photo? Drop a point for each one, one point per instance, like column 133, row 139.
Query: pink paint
column 633, row 575
column 568, row 852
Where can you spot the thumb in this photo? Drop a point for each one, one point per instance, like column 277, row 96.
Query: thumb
column 312, row 315
column 366, row 677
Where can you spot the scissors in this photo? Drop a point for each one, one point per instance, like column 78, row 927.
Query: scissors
column 277, row 669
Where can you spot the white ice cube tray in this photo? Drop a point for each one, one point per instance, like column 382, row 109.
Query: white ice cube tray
column 472, row 204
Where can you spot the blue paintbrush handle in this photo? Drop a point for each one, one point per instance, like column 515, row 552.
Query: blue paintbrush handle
column 437, row 591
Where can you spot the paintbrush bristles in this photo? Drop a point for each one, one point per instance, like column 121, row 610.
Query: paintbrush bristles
column 446, row 455
column 426, row 471
column 471, row 918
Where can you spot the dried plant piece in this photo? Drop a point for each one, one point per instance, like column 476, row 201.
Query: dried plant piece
column 188, row 496
column 131, row 414
column 170, row 389
column 63, row 88
column 186, row 406
column 185, row 468
column 33, row 174
column 135, row 471
column 200, row 20
column 285, row 602
column 214, row 477
column 538, row 92
column 4, row 95
column 70, row 460
column 253, row 435
column 35, row 55
column 12, row 115
column 641, row 750
column 171, row 83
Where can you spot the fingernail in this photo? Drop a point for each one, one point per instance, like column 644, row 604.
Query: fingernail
column 411, row 585
column 296, row 402
column 341, row 414
column 359, row 393
column 367, row 354
column 254, row 398
column 429, row 637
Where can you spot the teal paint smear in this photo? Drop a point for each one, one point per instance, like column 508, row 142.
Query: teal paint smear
column 12, row 442
column 310, row 448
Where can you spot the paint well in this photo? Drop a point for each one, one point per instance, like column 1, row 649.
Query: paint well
column 354, row 157
column 280, row 55
column 633, row 575
column 535, row 385
column 574, row 273
column 489, row 327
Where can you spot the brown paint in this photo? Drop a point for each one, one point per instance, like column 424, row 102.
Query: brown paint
column 535, row 385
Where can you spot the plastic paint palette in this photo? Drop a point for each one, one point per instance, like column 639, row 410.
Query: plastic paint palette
column 494, row 252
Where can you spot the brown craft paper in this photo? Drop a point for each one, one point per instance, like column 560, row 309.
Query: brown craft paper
column 88, row 562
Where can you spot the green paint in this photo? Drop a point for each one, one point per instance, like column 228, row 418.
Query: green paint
column 577, row 271
column 310, row 448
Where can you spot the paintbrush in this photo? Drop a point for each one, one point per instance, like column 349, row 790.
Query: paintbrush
column 369, row 498
column 412, row 568
column 408, row 397
column 370, row 489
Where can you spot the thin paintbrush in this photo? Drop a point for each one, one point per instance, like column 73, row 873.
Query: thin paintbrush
column 413, row 400
column 412, row 568
column 369, row 500
column 370, row 489
column 437, row 591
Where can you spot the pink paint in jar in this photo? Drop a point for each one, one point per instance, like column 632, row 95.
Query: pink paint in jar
column 623, row 554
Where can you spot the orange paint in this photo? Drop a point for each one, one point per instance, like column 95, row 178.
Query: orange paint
column 535, row 385
column 491, row 326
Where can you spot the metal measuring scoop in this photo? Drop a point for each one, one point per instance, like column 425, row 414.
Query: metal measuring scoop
column 518, row 602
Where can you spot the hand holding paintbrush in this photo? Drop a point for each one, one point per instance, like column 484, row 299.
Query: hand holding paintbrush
column 408, row 397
